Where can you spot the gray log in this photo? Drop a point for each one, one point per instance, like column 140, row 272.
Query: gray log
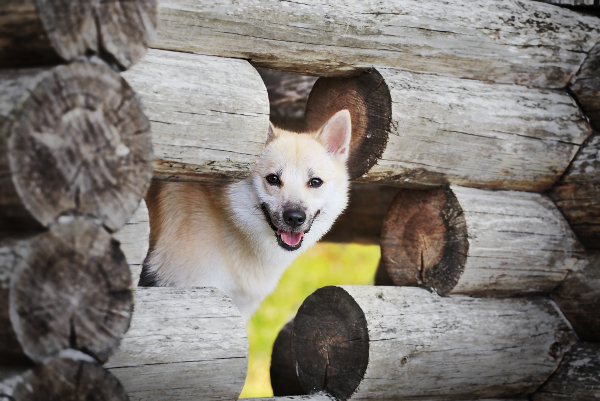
column 72, row 376
column 433, row 130
column 389, row 343
column 578, row 296
column 183, row 344
column 586, row 86
column 284, row 379
column 470, row 241
column 577, row 194
column 570, row 2
column 492, row 40
column 135, row 240
column 288, row 94
column 577, row 377
column 38, row 32
column 73, row 139
column 362, row 220
column 209, row 115
column 69, row 287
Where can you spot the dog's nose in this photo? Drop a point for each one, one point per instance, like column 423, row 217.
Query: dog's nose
column 294, row 218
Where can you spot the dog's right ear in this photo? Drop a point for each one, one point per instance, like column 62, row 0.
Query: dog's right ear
column 270, row 133
column 336, row 134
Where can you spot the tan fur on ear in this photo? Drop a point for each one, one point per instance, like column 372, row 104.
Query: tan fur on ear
column 337, row 133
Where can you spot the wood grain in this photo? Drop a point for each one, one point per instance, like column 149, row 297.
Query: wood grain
column 73, row 139
column 209, row 115
column 135, row 241
column 524, row 42
column 586, row 86
column 284, row 379
column 420, row 346
column 183, row 344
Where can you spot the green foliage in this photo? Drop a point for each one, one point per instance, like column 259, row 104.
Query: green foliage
column 325, row 264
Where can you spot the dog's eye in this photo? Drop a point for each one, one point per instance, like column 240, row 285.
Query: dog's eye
column 273, row 179
column 315, row 182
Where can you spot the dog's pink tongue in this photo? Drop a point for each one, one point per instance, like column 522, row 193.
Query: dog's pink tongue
column 291, row 238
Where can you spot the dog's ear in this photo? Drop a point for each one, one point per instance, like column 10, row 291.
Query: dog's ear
column 335, row 135
column 271, row 133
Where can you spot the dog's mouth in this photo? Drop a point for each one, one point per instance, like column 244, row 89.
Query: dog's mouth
column 288, row 240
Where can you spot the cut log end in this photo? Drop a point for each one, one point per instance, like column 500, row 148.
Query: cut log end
column 331, row 322
column 424, row 240
column 284, row 379
column 70, row 288
column 64, row 379
column 71, row 149
column 369, row 102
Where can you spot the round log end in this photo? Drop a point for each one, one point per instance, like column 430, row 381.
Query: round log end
column 65, row 379
column 284, row 379
column 71, row 289
column 368, row 99
column 330, row 343
column 81, row 144
column 424, row 240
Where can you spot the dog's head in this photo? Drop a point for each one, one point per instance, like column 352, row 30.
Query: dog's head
column 302, row 181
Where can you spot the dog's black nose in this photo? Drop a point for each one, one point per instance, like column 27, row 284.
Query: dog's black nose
column 294, row 218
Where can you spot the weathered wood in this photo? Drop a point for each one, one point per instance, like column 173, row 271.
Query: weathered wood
column 577, row 194
column 38, row 32
column 570, row 2
column 209, row 115
column 312, row 397
column 524, row 42
column 578, row 297
column 362, row 220
column 70, row 377
column 69, row 287
column 288, row 94
column 284, row 379
column 460, row 240
column 577, row 377
column 586, row 86
column 383, row 343
column 135, row 240
column 449, row 130
column 73, row 139
column 183, row 344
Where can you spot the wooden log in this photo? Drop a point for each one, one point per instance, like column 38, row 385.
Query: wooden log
column 183, row 344
column 69, row 287
column 312, row 397
column 586, row 86
column 439, row 130
column 379, row 343
column 73, row 139
column 284, row 379
column 577, row 3
column 39, row 32
column 577, row 194
column 489, row 40
column 135, row 241
column 460, row 240
column 288, row 94
column 577, row 377
column 578, row 297
column 362, row 220
column 69, row 377
column 209, row 115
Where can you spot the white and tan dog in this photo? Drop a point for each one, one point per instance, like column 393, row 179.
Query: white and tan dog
column 241, row 237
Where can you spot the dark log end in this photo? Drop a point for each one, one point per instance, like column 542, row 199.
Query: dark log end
column 330, row 343
column 424, row 240
column 72, row 289
column 81, row 145
column 66, row 380
column 284, row 379
column 368, row 99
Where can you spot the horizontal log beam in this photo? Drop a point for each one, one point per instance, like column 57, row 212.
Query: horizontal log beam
column 209, row 115
column 470, row 241
column 66, row 288
column 586, row 86
column 423, row 130
column 183, row 344
column 374, row 343
column 135, row 241
column 489, row 39
column 577, row 194
column 73, row 139
column 38, row 32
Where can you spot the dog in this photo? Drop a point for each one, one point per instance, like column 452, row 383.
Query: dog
column 240, row 237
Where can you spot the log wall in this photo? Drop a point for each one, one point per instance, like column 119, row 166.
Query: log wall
column 135, row 241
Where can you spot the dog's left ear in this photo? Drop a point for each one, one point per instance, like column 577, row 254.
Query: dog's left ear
column 336, row 134
column 270, row 133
